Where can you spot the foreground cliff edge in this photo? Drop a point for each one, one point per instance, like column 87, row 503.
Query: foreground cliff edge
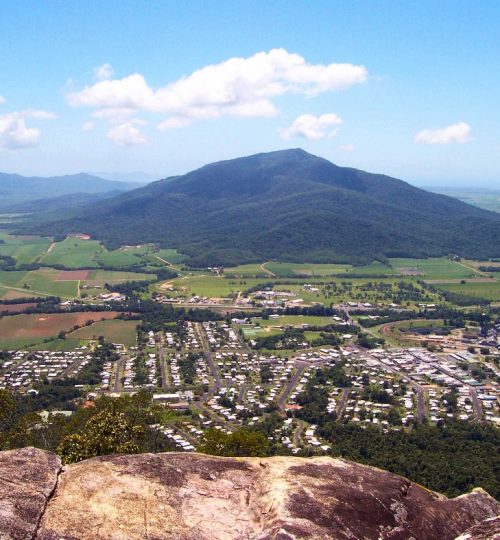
column 196, row 497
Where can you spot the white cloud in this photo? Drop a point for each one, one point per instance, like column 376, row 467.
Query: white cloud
column 2, row 100
column 243, row 87
column 312, row 127
column 347, row 147
column 104, row 72
column 88, row 126
column 14, row 134
column 456, row 133
column 126, row 134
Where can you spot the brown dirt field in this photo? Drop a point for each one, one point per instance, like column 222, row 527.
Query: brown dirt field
column 73, row 275
column 15, row 308
column 47, row 325
column 14, row 295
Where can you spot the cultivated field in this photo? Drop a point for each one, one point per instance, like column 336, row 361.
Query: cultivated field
column 74, row 253
column 116, row 331
column 23, row 330
column 25, row 249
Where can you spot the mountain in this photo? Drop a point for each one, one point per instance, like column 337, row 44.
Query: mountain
column 288, row 205
column 184, row 496
column 137, row 177
column 16, row 189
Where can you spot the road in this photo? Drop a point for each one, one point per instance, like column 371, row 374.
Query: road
column 298, row 433
column 292, row 383
column 208, row 355
column 342, row 403
column 165, row 381
column 419, row 390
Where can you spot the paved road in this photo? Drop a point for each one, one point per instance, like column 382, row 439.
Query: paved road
column 298, row 433
column 292, row 383
column 342, row 403
column 117, row 382
column 208, row 355
column 164, row 377
column 419, row 390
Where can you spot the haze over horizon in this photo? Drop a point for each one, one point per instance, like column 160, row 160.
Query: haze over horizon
column 409, row 90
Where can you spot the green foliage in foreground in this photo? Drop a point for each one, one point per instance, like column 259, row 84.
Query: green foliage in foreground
column 240, row 443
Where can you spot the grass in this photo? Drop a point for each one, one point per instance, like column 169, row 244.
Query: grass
column 436, row 268
column 294, row 320
column 290, row 269
column 74, row 253
column 247, row 270
column 213, row 286
column 37, row 282
column 116, row 331
column 20, row 331
column 25, row 249
column 487, row 290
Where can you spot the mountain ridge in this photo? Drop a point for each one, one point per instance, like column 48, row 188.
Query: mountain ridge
column 288, row 205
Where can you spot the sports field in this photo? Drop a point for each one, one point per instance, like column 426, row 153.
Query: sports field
column 436, row 268
column 23, row 330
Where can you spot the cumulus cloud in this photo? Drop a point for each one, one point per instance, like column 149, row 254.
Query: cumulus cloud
column 127, row 134
column 14, row 134
column 242, row 87
column 312, row 127
column 88, row 126
column 104, row 72
column 2, row 100
column 456, row 133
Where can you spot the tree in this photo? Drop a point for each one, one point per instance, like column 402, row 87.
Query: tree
column 240, row 443
column 105, row 433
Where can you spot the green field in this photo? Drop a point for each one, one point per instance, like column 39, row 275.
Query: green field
column 247, row 270
column 213, row 286
column 294, row 320
column 487, row 290
column 25, row 249
column 435, row 268
column 116, row 331
column 74, row 253
column 281, row 269
column 41, row 282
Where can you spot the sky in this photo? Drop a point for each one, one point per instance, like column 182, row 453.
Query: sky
column 409, row 89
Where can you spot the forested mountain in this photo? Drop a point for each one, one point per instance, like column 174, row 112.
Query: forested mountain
column 288, row 205
column 16, row 189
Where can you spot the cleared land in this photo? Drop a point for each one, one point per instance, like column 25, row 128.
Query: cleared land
column 25, row 249
column 23, row 330
column 74, row 253
column 116, row 331
column 488, row 290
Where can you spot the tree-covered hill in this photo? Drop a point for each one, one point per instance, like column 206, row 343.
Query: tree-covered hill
column 288, row 205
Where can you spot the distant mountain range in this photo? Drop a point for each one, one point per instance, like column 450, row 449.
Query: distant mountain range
column 287, row 205
column 17, row 190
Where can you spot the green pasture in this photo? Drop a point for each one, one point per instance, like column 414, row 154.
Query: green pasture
column 281, row 269
column 294, row 320
column 435, row 268
column 37, row 282
column 488, row 290
column 25, row 249
column 114, row 330
column 74, row 253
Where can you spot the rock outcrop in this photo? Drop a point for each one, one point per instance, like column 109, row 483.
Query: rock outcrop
column 197, row 497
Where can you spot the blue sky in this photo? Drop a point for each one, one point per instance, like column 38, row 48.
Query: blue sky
column 410, row 89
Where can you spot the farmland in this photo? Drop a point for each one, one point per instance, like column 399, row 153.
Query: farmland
column 73, row 253
column 24, row 330
column 25, row 249
column 114, row 330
